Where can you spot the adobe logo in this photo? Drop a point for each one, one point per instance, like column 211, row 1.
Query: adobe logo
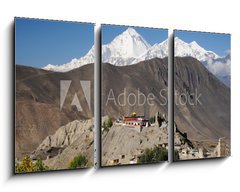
column 64, row 88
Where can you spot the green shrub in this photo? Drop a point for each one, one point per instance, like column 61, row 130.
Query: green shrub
column 39, row 166
column 153, row 155
column 26, row 165
column 79, row 161
column 106, row 125
column 109, row 122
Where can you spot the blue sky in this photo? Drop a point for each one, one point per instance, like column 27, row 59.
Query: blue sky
column 151, row 35
column 216, row 42
column 42, row 42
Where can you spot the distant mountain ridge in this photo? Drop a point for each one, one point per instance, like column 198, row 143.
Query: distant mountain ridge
column 130, row 48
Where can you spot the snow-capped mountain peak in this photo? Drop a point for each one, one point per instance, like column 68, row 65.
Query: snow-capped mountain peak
column 193, row 49
column 74, row 63
column 219, row 66
column 131, row 31
column 124, row 48
column 177, row 40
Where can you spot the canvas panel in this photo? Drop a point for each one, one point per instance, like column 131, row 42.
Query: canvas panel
column 202, row 85
column 54, row 95
column 134, row 95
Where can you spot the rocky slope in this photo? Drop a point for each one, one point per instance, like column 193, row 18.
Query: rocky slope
column 125, row 144
column 68, row 141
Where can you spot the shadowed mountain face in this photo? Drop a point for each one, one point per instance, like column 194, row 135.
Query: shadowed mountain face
column 124, row 88
column 38, row 111
column 209, row 117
